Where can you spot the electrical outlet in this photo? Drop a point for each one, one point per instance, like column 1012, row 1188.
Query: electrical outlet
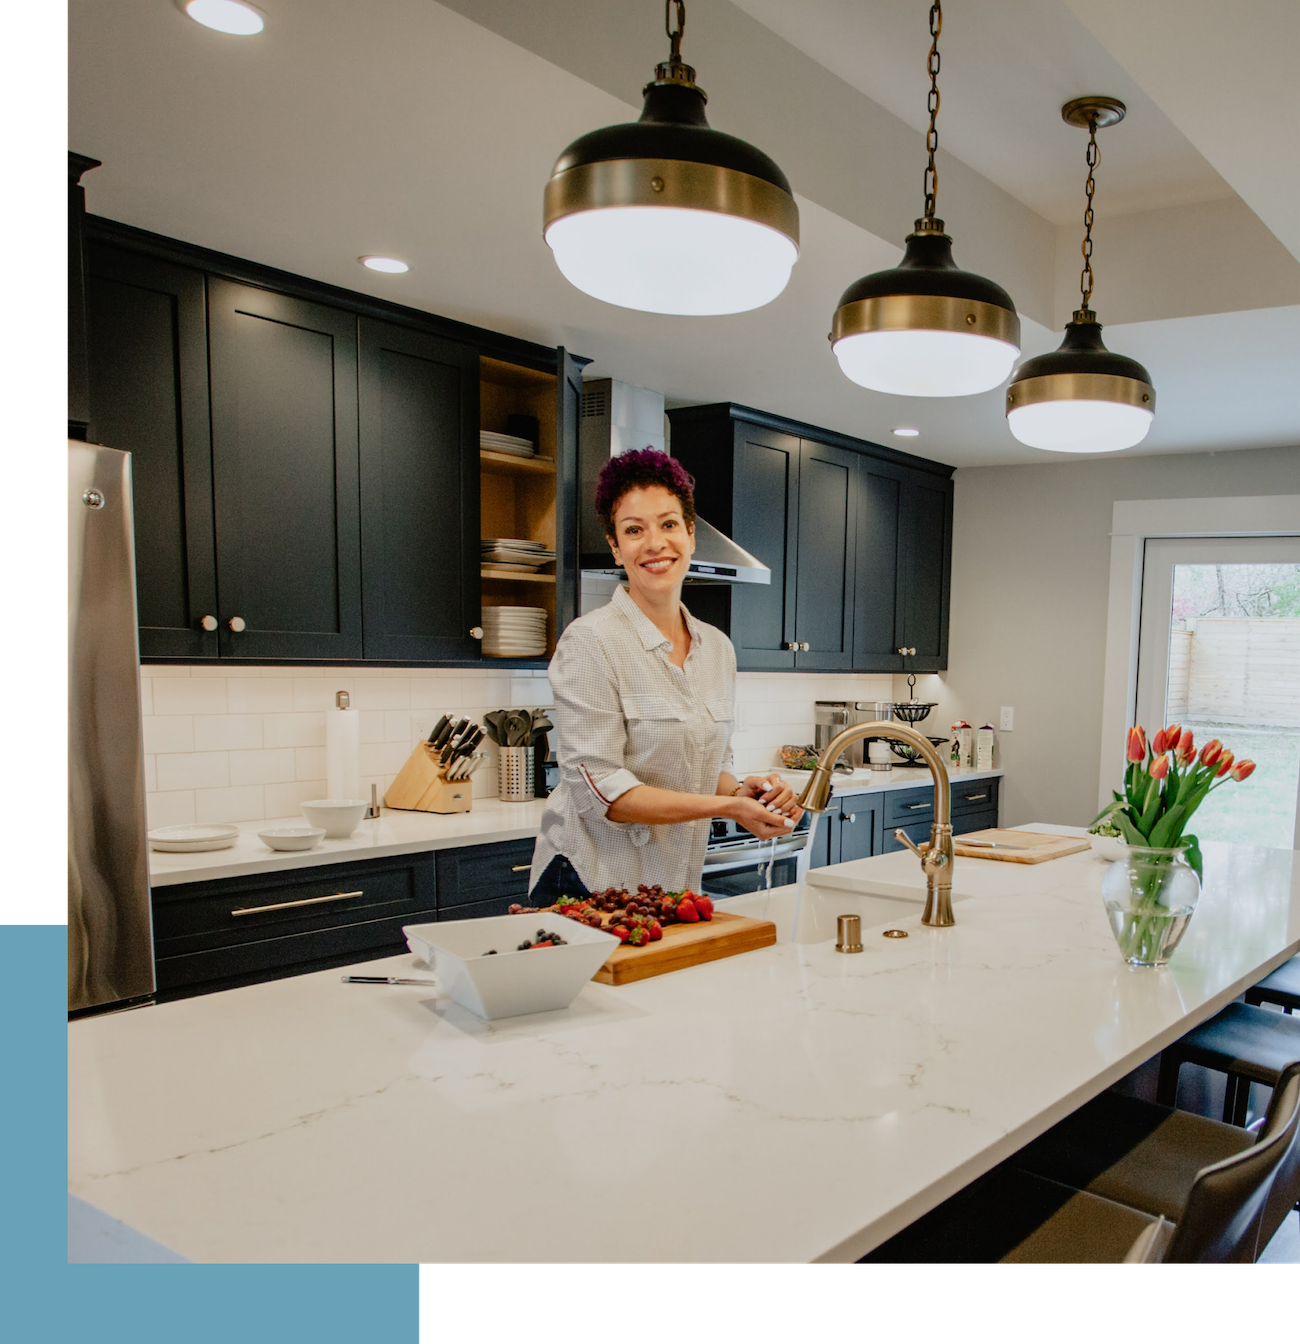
column 421, row 728
column 1008, row 720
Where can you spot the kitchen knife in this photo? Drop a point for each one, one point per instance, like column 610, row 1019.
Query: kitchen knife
column 450, row 743
column 468, row 742
column 437, row 728
column 443, row 737
column 989, row 844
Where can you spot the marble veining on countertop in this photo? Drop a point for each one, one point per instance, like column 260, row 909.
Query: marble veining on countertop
column 790, row 1104
column 397, row 832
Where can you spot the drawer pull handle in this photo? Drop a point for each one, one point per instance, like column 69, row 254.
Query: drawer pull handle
column 914, row 807
column 522, row 868
column 290, row 905
column 975, row 797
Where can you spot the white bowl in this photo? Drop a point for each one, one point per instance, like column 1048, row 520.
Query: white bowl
column 1108, row 847
column 292, row 837
column 339, row 816
column 511, row 983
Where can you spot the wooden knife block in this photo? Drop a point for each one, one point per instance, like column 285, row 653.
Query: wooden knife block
column 420, row 786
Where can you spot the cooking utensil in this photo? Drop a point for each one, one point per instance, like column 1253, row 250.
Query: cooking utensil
column 492, row 721
column 516, row 727
column 444, row 734
column 541, row 726
column 438, row 727
column 385, row 980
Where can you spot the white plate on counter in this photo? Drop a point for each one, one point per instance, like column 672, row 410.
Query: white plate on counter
column 192, row 839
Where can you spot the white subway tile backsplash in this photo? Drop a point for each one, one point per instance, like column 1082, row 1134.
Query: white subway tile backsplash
column 384, row 693
column 274, row 766
column 397, row 725
column 293, row 730
column 260, row 695
column 165, row 670
column 174, row 808
column 171, row 732
column 227, row 732
column 383, row 758
column 146, row 697
column 286, row 800
column 194, row 770
column 311, row 694
column 189, row 695
column 241, row 804
column 308, row 763
column 372, row 725
column 443, row 694
column 150, row 774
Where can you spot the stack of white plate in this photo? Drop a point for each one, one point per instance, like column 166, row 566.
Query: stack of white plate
column 506, row 443
column 515, row 553
column 514, row 632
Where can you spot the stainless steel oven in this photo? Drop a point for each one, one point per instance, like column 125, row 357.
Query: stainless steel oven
column 736, row 862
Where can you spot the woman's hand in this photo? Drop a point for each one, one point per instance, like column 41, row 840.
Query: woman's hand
column 756, row 819
column 774, row 790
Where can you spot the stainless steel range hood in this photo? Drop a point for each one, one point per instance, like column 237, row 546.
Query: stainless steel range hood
column 617, row 417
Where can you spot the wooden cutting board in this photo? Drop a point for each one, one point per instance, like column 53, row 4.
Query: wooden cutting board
column 686, row 945
column 1036, row 847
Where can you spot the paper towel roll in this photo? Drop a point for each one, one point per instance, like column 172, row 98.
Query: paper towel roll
column 343, row 753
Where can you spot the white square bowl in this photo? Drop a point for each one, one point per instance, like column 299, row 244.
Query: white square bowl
column 511, row 983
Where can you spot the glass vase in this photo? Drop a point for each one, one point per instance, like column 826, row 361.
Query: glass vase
column 1150, row 895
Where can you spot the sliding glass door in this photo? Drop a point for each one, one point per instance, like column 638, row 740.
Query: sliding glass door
column 1219, row 653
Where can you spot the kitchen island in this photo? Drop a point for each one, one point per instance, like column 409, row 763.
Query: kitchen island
column 790, row 1104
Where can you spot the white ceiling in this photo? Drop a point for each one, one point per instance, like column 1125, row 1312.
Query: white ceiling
column 405, row 126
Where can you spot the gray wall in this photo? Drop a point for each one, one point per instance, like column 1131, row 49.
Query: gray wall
column 1031, row 572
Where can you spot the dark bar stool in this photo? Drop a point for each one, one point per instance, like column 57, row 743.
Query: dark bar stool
column 1282, row 987
column 1249, row 1044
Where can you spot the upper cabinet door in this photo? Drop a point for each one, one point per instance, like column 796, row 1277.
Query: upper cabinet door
column 418, row 412
column 148, row 380
column 765, row 521
column 877, row 619
column 285, row 474
column 568, row 418
column 827, row 541
column 926, row 524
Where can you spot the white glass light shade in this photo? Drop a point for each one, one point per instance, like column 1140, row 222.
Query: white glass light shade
column 388, row 265
column 661, row 259
column 225, row 16
column 925, row 363
column 1080, row 426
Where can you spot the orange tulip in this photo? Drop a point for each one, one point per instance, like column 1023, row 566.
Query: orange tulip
column 1159, row 767
column 1186, row 748
column 1137, row 743
column 1211, row 751
column 1159, row 741
column 1243, row 770
column 1225, row 764
column 1172, row 734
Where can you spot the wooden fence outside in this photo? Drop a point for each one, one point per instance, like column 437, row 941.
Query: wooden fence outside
column 1240, row 670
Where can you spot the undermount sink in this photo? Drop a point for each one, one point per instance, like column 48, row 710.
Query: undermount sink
column 820, row 909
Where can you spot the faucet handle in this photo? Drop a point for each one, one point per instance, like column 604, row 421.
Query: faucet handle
column 902, row 836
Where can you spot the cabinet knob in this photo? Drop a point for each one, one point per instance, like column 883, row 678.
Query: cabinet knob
column 850, row 816
column 209, row 623
column 236, row 623
column 804, row 647
column 476, row 632
column 906, row 652
column 792, row 646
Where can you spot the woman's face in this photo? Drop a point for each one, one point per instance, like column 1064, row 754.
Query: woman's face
column 652, row 540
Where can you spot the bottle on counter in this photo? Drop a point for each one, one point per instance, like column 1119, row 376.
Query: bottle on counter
column 963, row 739
column 984, row 748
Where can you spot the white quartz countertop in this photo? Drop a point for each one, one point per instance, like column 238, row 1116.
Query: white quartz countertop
column 490, row 821
column 790, row 1104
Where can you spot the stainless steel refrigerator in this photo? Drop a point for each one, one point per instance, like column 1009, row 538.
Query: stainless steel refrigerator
column 110, row 930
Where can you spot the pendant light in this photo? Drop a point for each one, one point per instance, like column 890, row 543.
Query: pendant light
column 926, row 328
column 1081, row 398
column 667, row 215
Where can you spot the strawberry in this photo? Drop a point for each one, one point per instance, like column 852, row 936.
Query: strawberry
column 705, row 907
column 687, row 912
column 638, row 937
column 655, row 931
column 622, row 932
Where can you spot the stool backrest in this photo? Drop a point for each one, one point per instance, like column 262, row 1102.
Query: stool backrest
column 1220, row 1222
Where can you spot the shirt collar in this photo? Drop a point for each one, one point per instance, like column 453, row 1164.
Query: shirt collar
column 650, row 635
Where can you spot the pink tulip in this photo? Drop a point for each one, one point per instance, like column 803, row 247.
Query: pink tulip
column 1225, row 764
column 1159, row 767
column 1186, row 749
column 1137, row 743
column 1211, row 751
column 1243, row 770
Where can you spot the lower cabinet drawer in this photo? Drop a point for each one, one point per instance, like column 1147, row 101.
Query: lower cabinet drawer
column 980, row 796
column 498, row 905
column 918, row 832
column 974, row 821
column 905, row 806
column 192, row 973
column 473, row 874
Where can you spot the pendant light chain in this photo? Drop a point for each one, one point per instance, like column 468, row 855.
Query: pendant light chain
column 932, row 103
column 675, row 34
column 1085, row 276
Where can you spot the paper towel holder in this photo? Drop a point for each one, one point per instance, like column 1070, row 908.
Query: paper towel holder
column 343, row 700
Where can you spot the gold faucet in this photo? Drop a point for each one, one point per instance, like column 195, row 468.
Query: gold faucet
column 936, row 861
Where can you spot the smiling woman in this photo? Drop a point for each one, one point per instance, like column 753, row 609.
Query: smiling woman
column 644, row 707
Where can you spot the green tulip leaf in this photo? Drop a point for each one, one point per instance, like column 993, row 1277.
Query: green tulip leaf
column 1194, row 853
column 1165, row 834
column 1132, row 835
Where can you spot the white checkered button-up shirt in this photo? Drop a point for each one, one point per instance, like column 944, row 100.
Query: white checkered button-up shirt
column 624, row 715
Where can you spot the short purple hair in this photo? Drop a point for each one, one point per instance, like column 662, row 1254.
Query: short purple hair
column 637, row 469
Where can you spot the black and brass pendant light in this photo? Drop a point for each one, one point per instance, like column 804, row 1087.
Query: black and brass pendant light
column 1081, row 398
column 666, row 214
column 926, row 328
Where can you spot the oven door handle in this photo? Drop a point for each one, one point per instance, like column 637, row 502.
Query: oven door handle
column 751, row 858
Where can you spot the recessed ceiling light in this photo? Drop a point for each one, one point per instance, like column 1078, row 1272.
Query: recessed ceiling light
column 389, row 265
column 226, row 16
column 904, row 432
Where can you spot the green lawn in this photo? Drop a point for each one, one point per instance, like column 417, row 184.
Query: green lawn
column 1262, row 809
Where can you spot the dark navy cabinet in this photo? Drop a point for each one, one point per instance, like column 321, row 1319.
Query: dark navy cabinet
column 858, row 538
column 974, row 808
